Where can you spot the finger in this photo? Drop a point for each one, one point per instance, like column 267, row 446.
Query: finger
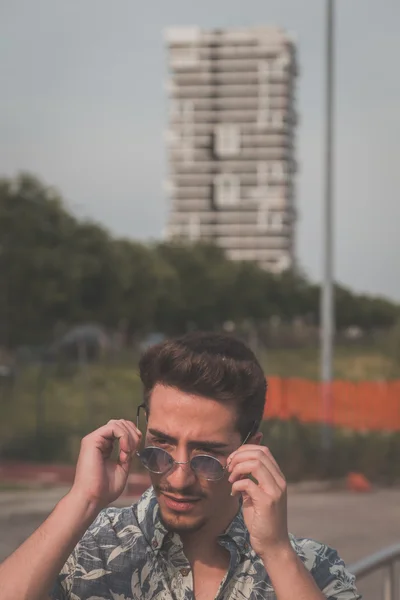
column 265, row 457
column 246, row 486
column 135, row 432
column 116, row 430
column 134, row 439
column 126, row 453
column 244, row 448
column 101, row 440
column 269, row 454
column 258, row 471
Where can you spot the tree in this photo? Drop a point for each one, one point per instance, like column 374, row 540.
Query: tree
column 36, row 279
column 56, row 269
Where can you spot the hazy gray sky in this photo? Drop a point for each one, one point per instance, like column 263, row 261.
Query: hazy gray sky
column 83, row 106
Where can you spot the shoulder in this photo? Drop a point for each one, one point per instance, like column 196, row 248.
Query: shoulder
column 127, row 526
column 113, row 527
column 111, row 520
column 327, row 568
column 312, row 552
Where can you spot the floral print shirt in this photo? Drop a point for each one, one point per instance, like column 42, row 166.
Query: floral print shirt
column 127, row 554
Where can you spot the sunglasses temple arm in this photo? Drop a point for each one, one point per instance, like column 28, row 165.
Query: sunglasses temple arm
column 252, row 430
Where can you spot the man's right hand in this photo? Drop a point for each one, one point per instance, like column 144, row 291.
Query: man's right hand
column 99, row 480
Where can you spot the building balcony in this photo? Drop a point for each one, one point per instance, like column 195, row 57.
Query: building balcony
column 249, row 116
column 207, row 77
column 233, row 90
column 184, row 181
column 232, row 217
column 178, row 36
column 191, row 59
column 266, row 241
column 232, row 103
column 249, row 237
column 270, row 50
column 185, row 155
column 190, row 205
column 244, row 162
column 253, row 128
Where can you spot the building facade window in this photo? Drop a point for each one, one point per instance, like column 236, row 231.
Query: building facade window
column 182, row 109
column 278, row 170
column 276, row 221
column 184, row 58
column 268, row 117
column 227, row 140
column 226, row 190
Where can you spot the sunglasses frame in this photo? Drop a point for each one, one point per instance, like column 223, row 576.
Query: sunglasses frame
column 187, row 462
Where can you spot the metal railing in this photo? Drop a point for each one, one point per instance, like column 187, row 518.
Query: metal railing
column 385, row 560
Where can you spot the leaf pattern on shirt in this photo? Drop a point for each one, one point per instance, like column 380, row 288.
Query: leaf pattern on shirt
column 127, row 554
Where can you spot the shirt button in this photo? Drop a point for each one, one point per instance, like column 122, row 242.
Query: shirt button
column 184, row 572
column 154, row 543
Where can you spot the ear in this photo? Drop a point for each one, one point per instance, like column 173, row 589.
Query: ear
column 257, row 438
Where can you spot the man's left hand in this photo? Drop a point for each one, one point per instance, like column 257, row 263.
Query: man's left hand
column 264, row 502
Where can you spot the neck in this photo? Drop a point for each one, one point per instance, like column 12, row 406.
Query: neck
column 202, row 545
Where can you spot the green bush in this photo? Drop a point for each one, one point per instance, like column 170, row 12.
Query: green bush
column 298, row 450
column 44, row 416
column 50, row 446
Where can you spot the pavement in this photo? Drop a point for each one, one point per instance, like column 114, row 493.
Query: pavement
column 49, row 475
column 356, row 524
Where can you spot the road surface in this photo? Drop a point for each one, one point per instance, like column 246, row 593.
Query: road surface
column 355, row 524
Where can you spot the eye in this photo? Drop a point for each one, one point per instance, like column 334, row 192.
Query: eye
column 160, row 441
column 207, row 451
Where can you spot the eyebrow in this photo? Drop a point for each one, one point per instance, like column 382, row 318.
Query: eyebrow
column 209, row 444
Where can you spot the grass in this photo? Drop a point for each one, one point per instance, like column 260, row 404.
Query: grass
column 352, row 363
column 48, row 412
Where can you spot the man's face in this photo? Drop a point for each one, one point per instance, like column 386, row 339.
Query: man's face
column 184, row 426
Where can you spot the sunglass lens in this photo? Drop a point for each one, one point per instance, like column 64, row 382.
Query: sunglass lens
column 156, row 460
column 207, row 467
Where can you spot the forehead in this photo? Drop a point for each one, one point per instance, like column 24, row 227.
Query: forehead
column 180, row 414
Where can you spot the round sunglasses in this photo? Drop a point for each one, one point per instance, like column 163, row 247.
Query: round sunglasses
column 160, row 462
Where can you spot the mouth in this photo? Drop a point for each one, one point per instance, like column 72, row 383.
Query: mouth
column 181, row 505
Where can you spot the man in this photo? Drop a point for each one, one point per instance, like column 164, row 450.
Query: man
column 213, row 524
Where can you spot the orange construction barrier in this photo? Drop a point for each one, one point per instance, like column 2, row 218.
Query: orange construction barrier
column 361, row 406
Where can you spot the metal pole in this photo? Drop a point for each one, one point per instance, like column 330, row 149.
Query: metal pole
column 389, row 583
column 327, row 304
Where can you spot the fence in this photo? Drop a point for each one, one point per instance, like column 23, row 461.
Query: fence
column 360, row 406
column 45, row 412
column 387, row 560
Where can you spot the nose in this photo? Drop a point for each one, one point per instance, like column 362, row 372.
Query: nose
column 181, row 476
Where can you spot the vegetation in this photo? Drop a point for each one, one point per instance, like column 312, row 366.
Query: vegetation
column 59, row 271
column 46, row 413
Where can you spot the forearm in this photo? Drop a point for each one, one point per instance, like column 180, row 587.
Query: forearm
column 32, row 569
column 289, row 577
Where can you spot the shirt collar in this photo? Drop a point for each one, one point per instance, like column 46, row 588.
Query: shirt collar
column 238, row 533
column 149, row 520
column 155, row 533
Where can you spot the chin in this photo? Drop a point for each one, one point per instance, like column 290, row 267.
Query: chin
column 180, row 523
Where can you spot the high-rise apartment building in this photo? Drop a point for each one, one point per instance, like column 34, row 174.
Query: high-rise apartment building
column 231, row 141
